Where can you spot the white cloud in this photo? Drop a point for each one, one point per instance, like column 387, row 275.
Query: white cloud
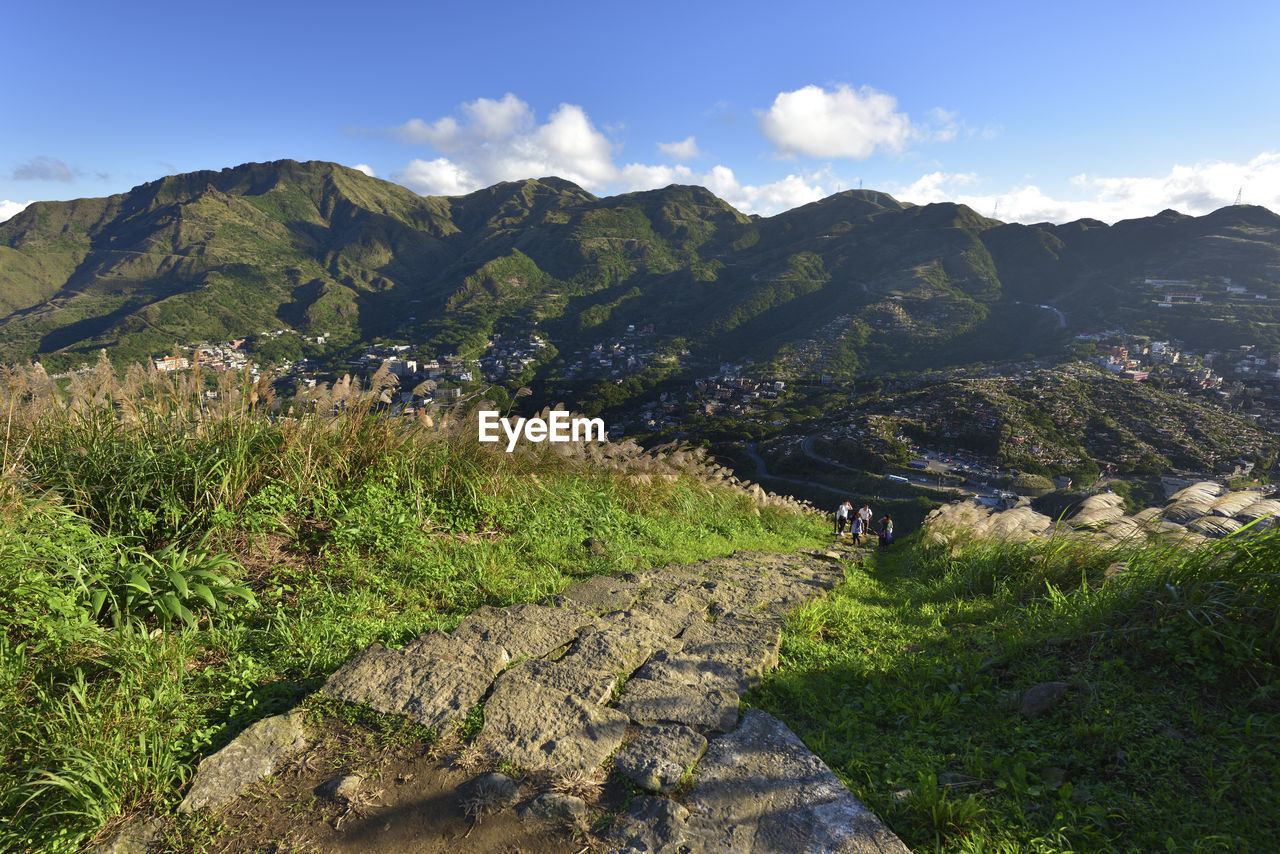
column 840, row 123
column 439, row 177
column 639, row 176
column 1197, row 189
column 9, row 209
column 775, row 197
column 366, row 169
column 685, row 149
column 502, row 141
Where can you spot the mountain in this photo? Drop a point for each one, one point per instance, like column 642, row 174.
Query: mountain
column 886, row 285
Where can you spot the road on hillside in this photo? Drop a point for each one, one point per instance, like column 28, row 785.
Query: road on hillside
column 915, row 480
column 762, row 471
column 1062, row 318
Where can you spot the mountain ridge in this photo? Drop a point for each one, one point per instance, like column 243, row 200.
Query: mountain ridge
column 327, row 249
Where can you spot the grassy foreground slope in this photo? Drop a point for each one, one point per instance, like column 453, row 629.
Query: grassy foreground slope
column 175, row 568
column 910, row 682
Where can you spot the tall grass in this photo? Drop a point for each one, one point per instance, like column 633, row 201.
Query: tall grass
column 182, row 555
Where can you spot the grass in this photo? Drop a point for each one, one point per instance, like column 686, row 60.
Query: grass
column 907, row 680
column 177, row 565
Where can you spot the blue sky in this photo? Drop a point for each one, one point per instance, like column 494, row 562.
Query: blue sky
column 1028, row 111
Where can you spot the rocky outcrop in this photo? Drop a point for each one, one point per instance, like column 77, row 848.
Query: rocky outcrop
column 1200, row 511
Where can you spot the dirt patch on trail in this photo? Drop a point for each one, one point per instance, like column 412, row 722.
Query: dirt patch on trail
column 411, row 798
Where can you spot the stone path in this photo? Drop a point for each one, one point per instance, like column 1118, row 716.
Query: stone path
column 647, row 668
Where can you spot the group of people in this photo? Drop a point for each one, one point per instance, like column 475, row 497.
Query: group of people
column 859, row 524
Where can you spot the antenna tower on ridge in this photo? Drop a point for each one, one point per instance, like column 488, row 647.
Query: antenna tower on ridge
column 1239, row 193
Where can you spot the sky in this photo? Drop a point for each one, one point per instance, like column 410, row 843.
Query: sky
column 1025, row 111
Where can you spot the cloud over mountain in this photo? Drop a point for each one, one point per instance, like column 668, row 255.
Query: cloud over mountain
column 9, row 209
column 1196, row 189
column 502, row 140
column 843, row 122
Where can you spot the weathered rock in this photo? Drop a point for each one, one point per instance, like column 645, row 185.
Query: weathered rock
column 656, row 826
column 134, row 837
column 553, row 806
column 689, row 702
column 664, row 618
column 722, row 667
column 605, row 593
column 435, row 693
column 476, row 654
column 524, row 631
column 566, row 676
column 344, row 788
column 538, row 727
column 252, row 755
column 1040, row 698
column 619, row 647
column 752, row 643
column 595, row 546
column 660, row 757
column 760, row 790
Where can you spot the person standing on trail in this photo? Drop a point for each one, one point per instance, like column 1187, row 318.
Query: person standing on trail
column 857, row 529
column 865, row 515
column 886, row 533
column 843, row 512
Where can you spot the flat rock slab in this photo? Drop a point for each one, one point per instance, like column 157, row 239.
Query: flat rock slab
column 760, row 790
column 566, row 676
column 476, row 654
column 688, row 702
column 252, row 755
column 660, row 757
column 605, row 593
column 761, row 636
column 537, row 728
column 524, row 631
column 433, row 692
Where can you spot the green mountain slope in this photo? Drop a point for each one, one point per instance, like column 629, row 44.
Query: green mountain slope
column 326, row 249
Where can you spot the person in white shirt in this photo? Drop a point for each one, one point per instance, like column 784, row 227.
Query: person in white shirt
column 843, row 512
column 865, row 515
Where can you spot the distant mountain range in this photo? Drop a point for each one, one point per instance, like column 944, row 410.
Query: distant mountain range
column 326, row 249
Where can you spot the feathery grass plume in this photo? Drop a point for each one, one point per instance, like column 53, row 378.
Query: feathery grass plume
column 102, row 380
column 136, row 380
column 263, row 395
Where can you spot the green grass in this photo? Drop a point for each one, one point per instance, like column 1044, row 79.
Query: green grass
column 907, row 680
column 176, row 568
